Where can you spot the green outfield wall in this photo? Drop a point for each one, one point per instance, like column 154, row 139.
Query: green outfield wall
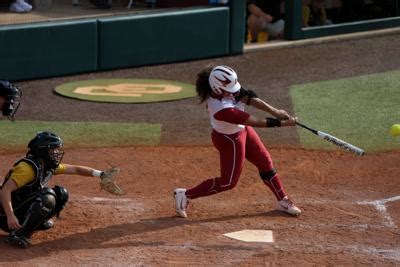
column 41, row 50
column 32, row 51
column 163, row 37
column 237, row 26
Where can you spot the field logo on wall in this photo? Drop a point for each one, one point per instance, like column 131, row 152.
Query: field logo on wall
column 126, row 90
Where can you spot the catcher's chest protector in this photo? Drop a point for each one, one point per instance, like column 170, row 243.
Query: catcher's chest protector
column 42, row 177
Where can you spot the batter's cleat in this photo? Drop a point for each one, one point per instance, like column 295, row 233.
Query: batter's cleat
column 286, row 205
column 181, row 202
column 18, row 241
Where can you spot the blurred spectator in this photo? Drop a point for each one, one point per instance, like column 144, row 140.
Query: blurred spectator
column 333, row 10
column 374, row 9
column 265, row 15
column 147, row 3
column 351, row 10
column 314, row 13
column 20, row 6
column 151, row 3
column 357, row 10
column 103, row 4
column 218, row 2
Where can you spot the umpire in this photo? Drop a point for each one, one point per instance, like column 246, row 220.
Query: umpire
column 10, row 96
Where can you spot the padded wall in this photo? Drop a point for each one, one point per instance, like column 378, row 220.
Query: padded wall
column 48, row 49
column 238, row 25
column 163, row 37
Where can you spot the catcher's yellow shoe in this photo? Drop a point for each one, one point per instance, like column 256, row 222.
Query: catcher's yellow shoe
column 181, row 202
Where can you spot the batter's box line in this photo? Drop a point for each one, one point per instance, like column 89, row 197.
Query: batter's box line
column 304, row 246
column 380, row 207
column 124, row 203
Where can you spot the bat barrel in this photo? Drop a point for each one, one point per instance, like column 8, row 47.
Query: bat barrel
column 340, row 143
column 334, row 140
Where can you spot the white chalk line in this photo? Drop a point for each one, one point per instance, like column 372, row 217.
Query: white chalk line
column 360, row 227
column 120, row 203
column 393, row 254
column 103, row 199
column 390, row 254
column 380, row 206
column 300, row 246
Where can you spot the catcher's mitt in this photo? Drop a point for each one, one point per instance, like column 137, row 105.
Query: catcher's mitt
column 108, row 181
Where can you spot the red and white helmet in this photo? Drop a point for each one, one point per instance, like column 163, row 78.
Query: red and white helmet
column 223, row 78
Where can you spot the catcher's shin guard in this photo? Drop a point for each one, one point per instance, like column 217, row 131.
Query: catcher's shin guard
column 38, row 213
column 61, row 199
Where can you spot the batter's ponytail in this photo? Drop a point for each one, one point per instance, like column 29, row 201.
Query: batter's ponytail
column 202, row 85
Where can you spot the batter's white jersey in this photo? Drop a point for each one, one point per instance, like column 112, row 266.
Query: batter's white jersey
column 214, row 105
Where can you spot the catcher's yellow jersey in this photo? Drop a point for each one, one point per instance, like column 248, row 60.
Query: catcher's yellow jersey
column 24, row 173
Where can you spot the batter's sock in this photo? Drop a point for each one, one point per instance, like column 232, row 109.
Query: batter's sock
column 276, row 187
column 206, row 188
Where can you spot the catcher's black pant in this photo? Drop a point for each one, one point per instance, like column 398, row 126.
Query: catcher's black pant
column 35, row 210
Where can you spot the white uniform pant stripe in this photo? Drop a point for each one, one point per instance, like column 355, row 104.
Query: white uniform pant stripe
column 212, row 187
column 233, row 163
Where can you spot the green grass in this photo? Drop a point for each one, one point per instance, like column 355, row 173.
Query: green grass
column 359, row 110
column 15, row 135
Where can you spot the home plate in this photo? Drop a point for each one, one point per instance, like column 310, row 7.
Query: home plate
column 252, row 236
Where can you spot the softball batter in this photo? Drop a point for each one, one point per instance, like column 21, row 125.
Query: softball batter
column 234, row 137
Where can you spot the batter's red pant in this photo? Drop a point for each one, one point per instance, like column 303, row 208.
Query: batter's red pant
column 233, row 150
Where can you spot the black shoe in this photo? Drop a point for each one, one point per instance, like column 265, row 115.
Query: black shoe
column 18, row 241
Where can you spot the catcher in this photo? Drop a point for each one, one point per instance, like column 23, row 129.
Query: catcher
column 28, row 204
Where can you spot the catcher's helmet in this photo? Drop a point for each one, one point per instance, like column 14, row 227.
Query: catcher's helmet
column 12, row 96
column 47, row 146
column 223, row 78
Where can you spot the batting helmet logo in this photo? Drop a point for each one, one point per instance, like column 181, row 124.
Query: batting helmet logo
column 223, row 78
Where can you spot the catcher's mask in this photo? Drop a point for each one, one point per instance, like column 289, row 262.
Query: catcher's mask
column 12, row 96
column 224, row 78
column 48, row 147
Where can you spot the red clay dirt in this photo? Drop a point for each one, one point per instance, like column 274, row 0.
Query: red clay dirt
column 350, row 204
column 350, row 211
